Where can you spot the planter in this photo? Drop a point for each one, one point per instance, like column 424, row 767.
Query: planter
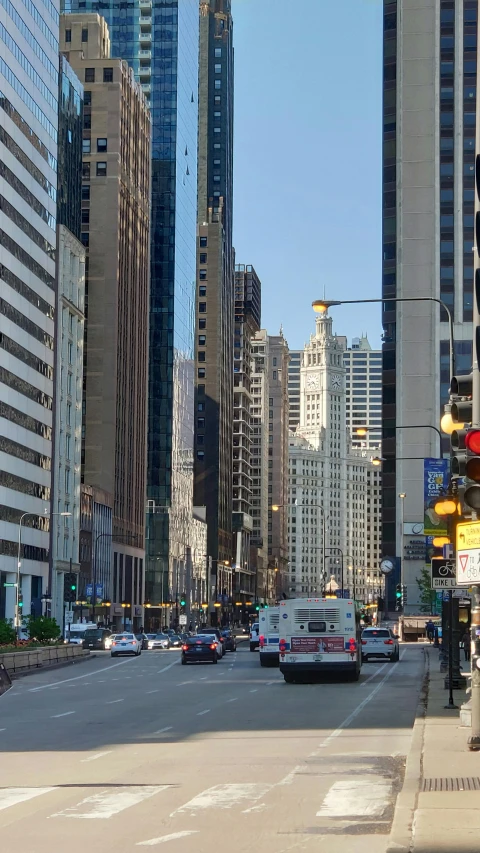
column 18, row 662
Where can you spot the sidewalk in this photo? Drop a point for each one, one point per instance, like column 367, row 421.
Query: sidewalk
column 429, row 818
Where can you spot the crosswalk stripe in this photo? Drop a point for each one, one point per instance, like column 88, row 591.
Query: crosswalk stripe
column 357, row 798
column 107, row 803
column 12, row 796
column 225, row 796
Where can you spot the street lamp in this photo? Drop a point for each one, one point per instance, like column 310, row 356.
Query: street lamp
column 19, row 557
column 402, row 497
column 321, row 306
column 362, row 431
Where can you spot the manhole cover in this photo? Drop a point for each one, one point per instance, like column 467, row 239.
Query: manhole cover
column 459, row 783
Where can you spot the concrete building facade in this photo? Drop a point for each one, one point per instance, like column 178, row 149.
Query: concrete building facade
column 278, row 358
column 115, row 221
column 294, row 388
column 262, row 464
column 363, row 386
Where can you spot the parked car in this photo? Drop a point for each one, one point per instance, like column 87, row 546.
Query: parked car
column 96, row 638
column 125, row 644
column 160, row 641
column 143, row 639
column 203, row 647
column 229, row 641
column 254, row 636
column 380, row 643
column 215, row 633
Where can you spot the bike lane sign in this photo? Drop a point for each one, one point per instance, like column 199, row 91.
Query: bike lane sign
column 443, row 574
column 468, row 553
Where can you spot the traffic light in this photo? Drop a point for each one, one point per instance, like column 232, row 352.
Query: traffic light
column 183, row 601
column 70, row 587
column 404, row 595
column 461, row 392
column 257, row 607
column 472, row 468
column 398, row 596
column 20, row 599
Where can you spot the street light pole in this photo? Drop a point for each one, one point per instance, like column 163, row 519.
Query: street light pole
column 402, row 497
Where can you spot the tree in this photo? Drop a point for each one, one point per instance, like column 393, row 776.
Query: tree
column 42, row 628
column 427, row 594
column 7, row 633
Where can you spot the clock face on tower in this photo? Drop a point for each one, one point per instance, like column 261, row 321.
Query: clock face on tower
column 336, row 382
column 313, row 382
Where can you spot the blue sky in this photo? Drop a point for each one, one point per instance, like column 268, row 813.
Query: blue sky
column 308, row 96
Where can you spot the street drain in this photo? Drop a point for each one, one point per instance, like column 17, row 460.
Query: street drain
column 459, row 783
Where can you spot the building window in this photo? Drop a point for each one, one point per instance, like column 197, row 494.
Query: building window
column 87, row 121
column 84, row 34
column 218, row 84
column 108, row 75
column 89, row 75
column 202, row 307
column 201, row 355
column 202, row 290
column 85, row 192
column 101, row 169
column 85, row 215
column 86, row 171
column 203, row 242
column 201, row 423
column 200, row 407
column 86, row 146
column 202, row 323
column 87, row 98
column 68, row 35
column 101, row 145
column 200, row 455
column 202, row 340
column 274, row 374
column 203, row 275
column 85, row 238
column 201, row 373
column 203, row 257
column 218, row 68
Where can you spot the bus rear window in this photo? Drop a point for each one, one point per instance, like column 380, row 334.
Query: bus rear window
column 317, row 627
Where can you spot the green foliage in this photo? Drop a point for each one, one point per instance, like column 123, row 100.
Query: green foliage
column 7, row 632
column 427, row 595
column 42, row 628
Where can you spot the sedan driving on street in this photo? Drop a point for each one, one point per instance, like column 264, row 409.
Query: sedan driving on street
column 125, row 644
column 175, row 641
column 203, row 647
column 159, row 641
column 229, row 641
column 380, row 643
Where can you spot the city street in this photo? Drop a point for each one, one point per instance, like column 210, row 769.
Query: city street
column 145, row 752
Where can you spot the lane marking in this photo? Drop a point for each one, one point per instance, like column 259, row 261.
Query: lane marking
column 12, row 796
column 201, row 713
column 165, row 838
column 94, row 757
column 175, row 663
column 235, row 699
column 3, row 730
column 76, row 678
column 166, row 729
column 114, row 701
column 66, row 714
column 152, row 691
column 258, row 808
column 375, row 674
column 224, row 797
column 254, row 691
column 105, row 804
column 356, row 798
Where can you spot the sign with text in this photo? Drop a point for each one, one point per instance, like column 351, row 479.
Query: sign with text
column 311, row 645
column 443, row 574
column 468, row 553
column 435, row 479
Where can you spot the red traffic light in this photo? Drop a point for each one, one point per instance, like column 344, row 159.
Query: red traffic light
column 472, row 441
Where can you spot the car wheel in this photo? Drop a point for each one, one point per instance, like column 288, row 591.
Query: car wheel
column 113, row 654
column 252, row 647
column 364, row 658
column 215, row 660
column 355, row 675
column 288, row 678
column 183, row 661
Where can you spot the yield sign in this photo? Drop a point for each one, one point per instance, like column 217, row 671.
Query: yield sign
column 468, row 567
column 463, row 558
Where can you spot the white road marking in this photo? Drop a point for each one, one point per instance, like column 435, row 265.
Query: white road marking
column 107, row 803
column 203, row 678
column 175, row 663
column 258, row 808
column 66, row 714
column 94, row 757
column 375, row 674
column 3, row 730
column 151, row 691
column 254, row 691
column 183, row 683
column 114, row 701
column 166, row 729
column 356, row 798
column 11, row 796
column 76, row 678
column 235, row 699
column 224, row 797
column 164, row 838
column 201, row 713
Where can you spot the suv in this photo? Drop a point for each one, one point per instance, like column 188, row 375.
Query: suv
column 95, row 638
column 254, row 636
column 380, row 643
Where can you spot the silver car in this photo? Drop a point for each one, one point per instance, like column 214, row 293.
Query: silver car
column 160, row 641
column 380, row 643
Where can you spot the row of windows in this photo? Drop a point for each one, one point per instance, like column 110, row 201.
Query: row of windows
column 40, row 22
column 28, row 100
column 25, row 388
column 101, row 145
column 27, row 164
column 29, row 37
column 26, row 227
column 28, row 358
column 27, row 196
column 34, row 140
column 27, row 66
column 25, row 323
column 26, row 454
column 20, row 484
column 101, row 170
column 28, row 552
column 12, row 515
column 90, row 75
column 20, row 287
column 26, row 421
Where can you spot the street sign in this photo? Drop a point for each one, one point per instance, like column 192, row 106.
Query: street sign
column 182, row 619
column 68, row 617
column 443, row 573
column 89, row 589
column 468, row 553
column 9, row 584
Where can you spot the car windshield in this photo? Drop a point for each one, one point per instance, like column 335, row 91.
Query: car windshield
column 93, row 634
column 205, row 637
column 161, row 637
column 381, row 632
column 124, row 637
column 174, row 637
column 151, row 636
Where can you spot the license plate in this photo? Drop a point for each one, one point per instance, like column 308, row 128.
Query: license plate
column 318, row 657
column 123, row 644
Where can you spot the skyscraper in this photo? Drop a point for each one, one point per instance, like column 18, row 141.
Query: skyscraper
column 294, row 388
column 28, row 246
column 429, row 74
column 159, row 40
column 215, row 272
column 363, row 386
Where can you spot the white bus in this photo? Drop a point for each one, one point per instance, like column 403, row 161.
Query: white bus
column 268, row 636
column 319, row 635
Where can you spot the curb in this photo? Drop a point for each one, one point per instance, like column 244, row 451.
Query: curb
column 403, row 819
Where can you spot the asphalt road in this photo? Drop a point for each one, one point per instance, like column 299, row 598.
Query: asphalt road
column 116, row 755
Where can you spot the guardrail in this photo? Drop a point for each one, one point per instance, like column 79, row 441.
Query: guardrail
column 18, row 662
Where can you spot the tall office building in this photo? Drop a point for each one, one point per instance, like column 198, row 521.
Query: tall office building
column 363, row 389
column 278, row 358
column 159, row 40
column 247, row 323
column 294, row 388
column 115, row 223
column 262, row 464
column 215, row 281
column 429, row 74
column 28, row 245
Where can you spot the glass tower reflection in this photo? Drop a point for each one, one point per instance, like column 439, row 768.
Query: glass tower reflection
column 160, row 41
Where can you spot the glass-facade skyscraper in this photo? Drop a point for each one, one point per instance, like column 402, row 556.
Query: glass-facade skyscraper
column 159, row 39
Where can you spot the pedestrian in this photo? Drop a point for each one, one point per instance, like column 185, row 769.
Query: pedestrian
column 466, row 645
column 430, row 629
